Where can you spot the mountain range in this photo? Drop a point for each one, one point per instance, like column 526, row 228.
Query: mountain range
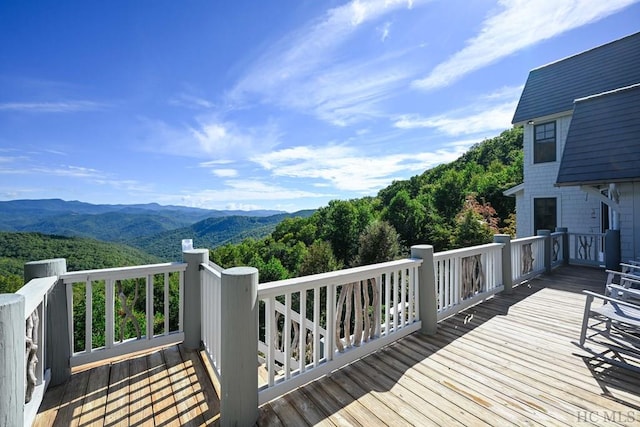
column 153, row 228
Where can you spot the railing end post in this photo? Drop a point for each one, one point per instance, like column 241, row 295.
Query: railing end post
column 428, row 299
column 547, row 250
column 58, row 336
column 13, row 366
column 239, row 346
column 192, row 315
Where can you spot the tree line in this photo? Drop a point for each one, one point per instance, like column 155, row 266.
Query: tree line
column 450, row 206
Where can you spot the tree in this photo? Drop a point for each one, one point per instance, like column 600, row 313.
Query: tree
column 379, row 242
column 407, row 216
column 319, row 259
column 475, row 224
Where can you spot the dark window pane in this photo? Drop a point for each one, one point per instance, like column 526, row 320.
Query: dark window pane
column 544, row 143
column 544, row 214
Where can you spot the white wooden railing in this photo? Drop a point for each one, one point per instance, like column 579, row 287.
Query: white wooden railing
column 466, row 276
column 111, row 290
column 36, row 374
column 586, row 248
column 304, row 327
column 211, row 333
column 527, row 258
column 314, row 324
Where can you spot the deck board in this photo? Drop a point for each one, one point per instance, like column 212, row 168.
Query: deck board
column 512, row 360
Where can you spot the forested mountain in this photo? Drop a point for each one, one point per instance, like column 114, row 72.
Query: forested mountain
column 210, row 233
column 452, row 205
column 81, row 254
column 116, row 223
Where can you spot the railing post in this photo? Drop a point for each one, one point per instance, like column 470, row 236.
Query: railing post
column 239, row 347
column 507, row 274
column 547, row 250
column 58, row 336
column 12, row 367
column 428, row 300
column 192, row 318
column 565, row 244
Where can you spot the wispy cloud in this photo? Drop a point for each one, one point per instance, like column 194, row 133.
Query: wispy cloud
column 490, row 113
column 225, row 173
column 210, row 137
column 306, row 70
column 240, row 191
column 191, row 101
column 346, row 169
column 521, row 23
column 52, row 107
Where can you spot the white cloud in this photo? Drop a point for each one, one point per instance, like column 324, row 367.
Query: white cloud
column 346, row 169
column 191, row 101
column 384, row 30
column 52, row 107
column 521, row 23
column 305, row 71
column 240, row 191
column 210, row 137
column 225, row 173
column 490, row 113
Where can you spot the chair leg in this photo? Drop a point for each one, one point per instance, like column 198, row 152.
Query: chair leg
column 585, row 319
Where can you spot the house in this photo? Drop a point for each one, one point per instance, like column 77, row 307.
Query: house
column 581, row 119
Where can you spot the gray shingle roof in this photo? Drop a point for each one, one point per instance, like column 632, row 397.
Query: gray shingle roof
column 603, row 143
column 553, row 88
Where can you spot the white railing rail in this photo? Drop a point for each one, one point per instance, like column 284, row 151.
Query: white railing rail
column 116, row 294
column 314, row 324
column 37, row 374
column 467, row 276
column 527, row 258
column 211, row 285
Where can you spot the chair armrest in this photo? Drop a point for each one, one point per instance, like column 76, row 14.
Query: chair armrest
column 635, row 293
column 610, row 299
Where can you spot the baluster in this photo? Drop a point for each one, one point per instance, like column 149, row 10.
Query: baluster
column 287, row 335
column 270, row 338
column 358, row 313
column 366, row 314
column 316, row 326
column 110, row 319
column 377, row 290
column 341, row 301
column 302, row 352
column 88, row 324
column 167, row 299
column 387, row 303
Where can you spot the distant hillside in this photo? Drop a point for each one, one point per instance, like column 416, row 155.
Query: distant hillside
column 212, row 232
column 81, row 254
column 124, row 222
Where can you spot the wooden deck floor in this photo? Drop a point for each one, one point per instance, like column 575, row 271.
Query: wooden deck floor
column 509, row 361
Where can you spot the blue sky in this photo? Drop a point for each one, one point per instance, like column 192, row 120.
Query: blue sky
column 265, row 104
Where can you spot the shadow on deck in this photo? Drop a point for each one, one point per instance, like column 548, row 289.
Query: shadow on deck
column 510, row 360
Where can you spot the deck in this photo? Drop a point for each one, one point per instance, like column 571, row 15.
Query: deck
column 509, row 361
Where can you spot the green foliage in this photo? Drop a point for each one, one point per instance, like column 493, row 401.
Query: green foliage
column 319, row 259
column 379, row 242
column 432, row 208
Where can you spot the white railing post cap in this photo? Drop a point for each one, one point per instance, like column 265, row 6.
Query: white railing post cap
column 196, row 251
column 10, row 299
column 240, row 271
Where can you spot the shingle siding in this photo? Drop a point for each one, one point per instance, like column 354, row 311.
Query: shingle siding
column 551, row 89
